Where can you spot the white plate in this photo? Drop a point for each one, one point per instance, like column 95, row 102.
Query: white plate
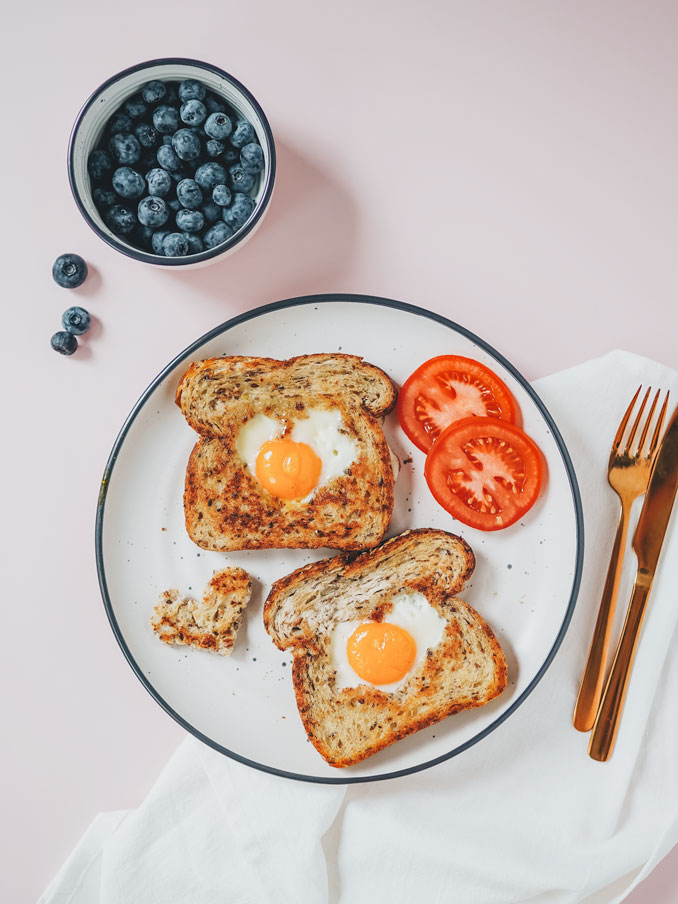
column 525, row 583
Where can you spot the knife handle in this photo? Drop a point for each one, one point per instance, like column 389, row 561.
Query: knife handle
column 593, row 679
column 609, row 714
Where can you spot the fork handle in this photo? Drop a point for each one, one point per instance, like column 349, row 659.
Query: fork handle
column 609, row 715
column 593, row 679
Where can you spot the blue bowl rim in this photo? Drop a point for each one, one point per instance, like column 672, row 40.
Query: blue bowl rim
column 190, row 259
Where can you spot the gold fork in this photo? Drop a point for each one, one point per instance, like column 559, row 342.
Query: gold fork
column 628, row 475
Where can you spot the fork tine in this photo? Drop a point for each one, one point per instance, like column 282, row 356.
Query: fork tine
column 648, row 421
column 658, row 427
column 634, row 426
column 624, row 421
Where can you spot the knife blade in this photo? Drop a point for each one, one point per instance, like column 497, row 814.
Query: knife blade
column 647, row 543
column 661, row 492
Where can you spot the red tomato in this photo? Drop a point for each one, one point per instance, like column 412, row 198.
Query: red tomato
column 485, row 472
column 446, row 389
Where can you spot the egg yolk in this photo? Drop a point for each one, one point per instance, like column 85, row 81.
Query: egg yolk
column 380, row 652
column 287, row 469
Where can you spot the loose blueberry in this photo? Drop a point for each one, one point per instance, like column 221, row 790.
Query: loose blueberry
column 166, row 119
column 167, row 139
column 175, row 244
column 231, row 155
column 252, row 158
column 69, row 271
column 157, row 240
column 120, row 219
column 190, row 89
column 76, row 320
column 195, row 245
column 239, row 212
column 128, row 182
column 242, row 134
column 64, row 343
column 103, row 198
column 221, row 195
column 241, row 180
column 152, row 212
column 168, row 159
column 215, row 148
column 186, row 144
column 159, row 182
column 174, row 205
column 218, row 126
column 119, row 122
column 211, row 212
column 217, row 234
column 146, row 135
column 188, row 192
column 124, row 148
column 153, row 92
column 99, row 164
column 214, row 104
column 210, row 174
column 135, row 107
column 193, row 112
column 190, row 220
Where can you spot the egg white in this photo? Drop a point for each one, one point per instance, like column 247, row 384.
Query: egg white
column 411, row 611
column 323, row 430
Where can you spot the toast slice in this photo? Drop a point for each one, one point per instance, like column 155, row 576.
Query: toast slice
column 465, row 669
column 225, row 505
column 211, row 624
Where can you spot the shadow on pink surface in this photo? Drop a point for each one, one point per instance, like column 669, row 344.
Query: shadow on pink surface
column 304, row 244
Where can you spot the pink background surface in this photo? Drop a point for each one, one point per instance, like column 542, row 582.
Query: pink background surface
column 512, row 166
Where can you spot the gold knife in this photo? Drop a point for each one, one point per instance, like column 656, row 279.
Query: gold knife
column 647, row 544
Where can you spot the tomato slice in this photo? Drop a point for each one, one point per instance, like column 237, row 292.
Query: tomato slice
column 446, row 389
column 485, row 472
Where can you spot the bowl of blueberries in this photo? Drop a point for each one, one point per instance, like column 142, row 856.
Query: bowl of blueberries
column 172, row 162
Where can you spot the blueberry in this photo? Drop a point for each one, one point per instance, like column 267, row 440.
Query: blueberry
column 190, row 220
column 146, row 135
column 124, row 148
column 190, row 89
column 64, row 343
column 221, row 195
column 214, row 148
column 252, row 158
column 239, row 212
column 167, row 139
column 211, row 212
column 99, row 164
column 157, row 240
column 210, row 174
column 119, row 122
column 172, row 96
column 128, row 182
column 218, row 126
column 120, row 219
column 214, row 104
column 159, row 182
column 152, row 212
column 217, row 234
column 168, row 159
column 174, row 204
column 103, row 198
column 242, row 134
column 148, row 160
column 153, row 92
column 166, row 119
column 144, row 235
column 188, row 192
column 175, row 244
column 231, row 155
column 193, row 112
column 195, row 245
column 186, row 144
column 69, row 271
column 135, row 107
column 76, row 321
column 241, row 179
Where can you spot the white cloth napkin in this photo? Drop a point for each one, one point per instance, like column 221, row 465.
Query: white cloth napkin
column 524, row 815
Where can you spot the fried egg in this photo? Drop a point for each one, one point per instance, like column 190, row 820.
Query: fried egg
column 293, row 459
column 384, row 654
